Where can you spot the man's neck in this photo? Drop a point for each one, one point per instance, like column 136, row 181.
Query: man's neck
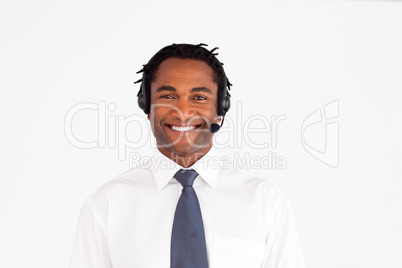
column 184, row 160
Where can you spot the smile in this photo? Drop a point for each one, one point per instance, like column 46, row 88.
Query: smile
column 182, row 129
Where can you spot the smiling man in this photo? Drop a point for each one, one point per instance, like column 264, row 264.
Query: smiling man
column 181, row 214
column 184, row 98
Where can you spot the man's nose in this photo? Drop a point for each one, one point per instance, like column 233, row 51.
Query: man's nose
column 184, row 109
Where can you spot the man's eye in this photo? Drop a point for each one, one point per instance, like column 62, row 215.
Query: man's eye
column 200, row 98
column 166, row 97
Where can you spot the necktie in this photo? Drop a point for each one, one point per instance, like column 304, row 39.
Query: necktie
column 188, row 248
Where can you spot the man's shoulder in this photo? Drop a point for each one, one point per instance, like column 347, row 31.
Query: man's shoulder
column 251, row 179
column 127, row 181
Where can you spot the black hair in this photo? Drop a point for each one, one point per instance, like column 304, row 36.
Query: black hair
column 184, row 51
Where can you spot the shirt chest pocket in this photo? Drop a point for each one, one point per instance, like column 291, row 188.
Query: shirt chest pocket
column 235, row 252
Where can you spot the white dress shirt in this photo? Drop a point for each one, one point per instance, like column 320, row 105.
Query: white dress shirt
column 127, row 223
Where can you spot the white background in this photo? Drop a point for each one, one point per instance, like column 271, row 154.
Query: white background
column 283, row 58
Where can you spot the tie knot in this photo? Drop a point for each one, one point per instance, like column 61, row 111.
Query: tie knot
column 186, row 177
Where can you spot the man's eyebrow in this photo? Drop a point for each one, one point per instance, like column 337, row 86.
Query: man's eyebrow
column 195, row 89
column 201, row 89
column 168, row 88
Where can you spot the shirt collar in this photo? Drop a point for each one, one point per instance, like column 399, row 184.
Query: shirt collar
column 165, row 168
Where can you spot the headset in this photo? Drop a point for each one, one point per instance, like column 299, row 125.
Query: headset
column 144, row 101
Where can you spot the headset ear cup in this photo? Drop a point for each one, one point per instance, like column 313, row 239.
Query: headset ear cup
column 141, row 101
column 225, row 104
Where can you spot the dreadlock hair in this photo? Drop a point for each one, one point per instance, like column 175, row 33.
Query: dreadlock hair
column 182, row 51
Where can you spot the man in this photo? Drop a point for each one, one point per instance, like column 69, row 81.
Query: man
column 183, row 214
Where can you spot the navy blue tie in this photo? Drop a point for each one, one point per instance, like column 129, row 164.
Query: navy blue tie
column 188, row 248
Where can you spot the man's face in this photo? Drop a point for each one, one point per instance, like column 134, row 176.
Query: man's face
column 183, row 105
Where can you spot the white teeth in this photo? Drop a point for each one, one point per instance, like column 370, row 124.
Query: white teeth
column 182, row 128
